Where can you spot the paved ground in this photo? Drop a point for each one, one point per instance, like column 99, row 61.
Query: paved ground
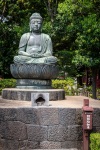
column 69, row 102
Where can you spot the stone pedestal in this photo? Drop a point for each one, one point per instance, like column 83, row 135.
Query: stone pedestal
column 25, row 94
column 33, row 78
column 34, row 71
column 33, row 84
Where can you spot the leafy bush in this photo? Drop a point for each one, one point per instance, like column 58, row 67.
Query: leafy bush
column 7, row 83
column 95, row 141
column 67, row 85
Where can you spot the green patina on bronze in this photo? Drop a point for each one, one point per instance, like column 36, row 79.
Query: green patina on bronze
column 35, row 47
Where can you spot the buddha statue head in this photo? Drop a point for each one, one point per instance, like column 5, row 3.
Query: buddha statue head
column 35, row 22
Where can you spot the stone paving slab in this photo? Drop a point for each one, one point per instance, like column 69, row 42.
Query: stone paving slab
column 69, row 102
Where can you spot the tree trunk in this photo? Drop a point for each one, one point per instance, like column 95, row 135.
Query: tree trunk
column 51, row 6
column 94, row 75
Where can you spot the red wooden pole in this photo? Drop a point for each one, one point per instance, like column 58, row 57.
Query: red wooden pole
column 87, row 123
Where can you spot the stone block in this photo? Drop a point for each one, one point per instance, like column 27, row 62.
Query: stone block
column 72, row 144
column 8, row 114
column 25, row 94
column 96, row 117
column 2, row 114
column 37, row 133
column 50, row 145
column 48, row 116
column 96, row 129
column 68, row 144
column 33, row 145
column 40, row 99
column 13, row 130
column 79, row 116
column 23, row 144
column 2, row 129
column 9, row 145
column 2, row 144
column 27, row 115
column 67, row 116
column 57, row 133
column 74, row 132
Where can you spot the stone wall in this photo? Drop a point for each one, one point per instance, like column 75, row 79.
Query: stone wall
column 43, row 128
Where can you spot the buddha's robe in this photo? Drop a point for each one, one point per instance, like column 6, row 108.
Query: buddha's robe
column 35, row 51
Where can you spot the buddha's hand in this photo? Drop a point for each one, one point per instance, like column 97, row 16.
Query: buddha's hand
column 24, row 53
column 36, row 55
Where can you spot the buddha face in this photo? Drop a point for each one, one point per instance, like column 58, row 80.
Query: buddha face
column 35, row 25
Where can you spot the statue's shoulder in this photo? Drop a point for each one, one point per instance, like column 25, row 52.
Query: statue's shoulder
column 25, row 35
column 46, row 36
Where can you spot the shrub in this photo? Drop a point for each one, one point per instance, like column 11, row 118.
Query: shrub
column 95, row 141
column 67, row 85
column 7, row 83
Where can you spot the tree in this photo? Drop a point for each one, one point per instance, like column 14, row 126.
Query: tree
column 83, row 33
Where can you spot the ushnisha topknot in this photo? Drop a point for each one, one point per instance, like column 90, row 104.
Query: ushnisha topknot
column 36, row 16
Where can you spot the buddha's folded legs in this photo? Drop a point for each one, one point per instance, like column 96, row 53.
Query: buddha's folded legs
column 21, row 59
column 25, row 59
column 50, row 59
column 45, row 60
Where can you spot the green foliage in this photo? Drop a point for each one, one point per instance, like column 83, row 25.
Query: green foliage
column 87, row 42
column 77, row 27
column 67, row 85
column 14, row 21
column 95, row 141
column 7, row 83
column 64, row 61
column 80, row 22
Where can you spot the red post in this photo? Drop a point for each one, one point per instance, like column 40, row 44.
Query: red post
column 87, row 123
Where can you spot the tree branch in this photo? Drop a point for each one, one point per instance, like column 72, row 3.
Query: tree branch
column 3, row 11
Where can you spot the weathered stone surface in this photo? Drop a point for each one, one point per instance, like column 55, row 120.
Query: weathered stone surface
column 27, row 115
column 48, row 116
column 57, row 133
column 50, row 145
column 9, row 145
column 72, row 144
column 41, row 128
column 78, row 117
column 67, row 116
column 96, row 117
column 13, row 130
column 25, row 94
column 2, row 144
column 37, row 133
column 23, row 144
column 2, row 114
column 69, row 144
column 74, row 132
column 8, row 114
column 96, row 129
column 33, row 145
column 79, row 145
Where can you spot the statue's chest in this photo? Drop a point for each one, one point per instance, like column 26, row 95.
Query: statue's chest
column 34, row 40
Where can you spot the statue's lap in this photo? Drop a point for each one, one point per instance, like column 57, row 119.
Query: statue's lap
column 25, row 59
